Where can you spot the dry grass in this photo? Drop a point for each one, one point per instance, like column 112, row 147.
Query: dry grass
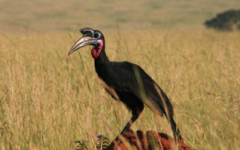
column 49, row 100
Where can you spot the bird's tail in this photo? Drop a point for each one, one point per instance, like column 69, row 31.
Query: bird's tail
column 168, row 112
column 176, row 132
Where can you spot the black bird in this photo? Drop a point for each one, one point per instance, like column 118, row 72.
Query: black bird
column 126, row 81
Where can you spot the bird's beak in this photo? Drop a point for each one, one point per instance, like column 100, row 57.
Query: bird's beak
column 84, row 41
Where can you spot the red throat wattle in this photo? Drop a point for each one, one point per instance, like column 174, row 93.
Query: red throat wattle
column 96, row 52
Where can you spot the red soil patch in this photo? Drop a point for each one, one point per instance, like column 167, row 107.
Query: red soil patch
column 151, row 140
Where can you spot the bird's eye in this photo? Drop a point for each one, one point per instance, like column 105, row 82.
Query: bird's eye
column 96, row 35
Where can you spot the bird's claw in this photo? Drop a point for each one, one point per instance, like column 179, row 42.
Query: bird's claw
column 129, row 134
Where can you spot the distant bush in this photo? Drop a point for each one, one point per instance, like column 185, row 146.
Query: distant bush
column 226, row 21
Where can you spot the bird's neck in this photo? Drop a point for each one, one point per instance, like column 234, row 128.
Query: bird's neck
column 102, row 58
column 98, row 53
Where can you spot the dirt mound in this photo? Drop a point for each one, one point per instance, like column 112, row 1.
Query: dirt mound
column 151, row 140
column 140, row 141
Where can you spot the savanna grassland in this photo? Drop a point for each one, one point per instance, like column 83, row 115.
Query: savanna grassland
column 49, row 100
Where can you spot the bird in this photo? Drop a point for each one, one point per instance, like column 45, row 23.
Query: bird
column 126, row 82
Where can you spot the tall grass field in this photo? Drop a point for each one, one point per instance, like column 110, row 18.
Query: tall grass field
column 49, row 100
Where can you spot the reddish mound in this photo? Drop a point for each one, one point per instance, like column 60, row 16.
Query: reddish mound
column 140, row 141
column 151, row 140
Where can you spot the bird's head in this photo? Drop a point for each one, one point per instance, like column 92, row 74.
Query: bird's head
column 90, row 37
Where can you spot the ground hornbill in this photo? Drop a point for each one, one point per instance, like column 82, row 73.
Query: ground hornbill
column 126, row 81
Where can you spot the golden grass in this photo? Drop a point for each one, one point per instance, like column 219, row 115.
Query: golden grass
column 49, row 100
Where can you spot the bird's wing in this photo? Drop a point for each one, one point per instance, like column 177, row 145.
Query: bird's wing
column 128, row 77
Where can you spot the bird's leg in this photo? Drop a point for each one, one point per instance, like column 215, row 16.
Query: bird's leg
column 136, row 107
column 128, row 125
column 135, row 114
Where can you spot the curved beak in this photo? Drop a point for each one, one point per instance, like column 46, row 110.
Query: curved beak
column 84, row 41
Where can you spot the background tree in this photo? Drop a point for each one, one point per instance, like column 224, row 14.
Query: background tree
column 226, row 21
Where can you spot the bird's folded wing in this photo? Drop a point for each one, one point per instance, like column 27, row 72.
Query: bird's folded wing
column 128, row 77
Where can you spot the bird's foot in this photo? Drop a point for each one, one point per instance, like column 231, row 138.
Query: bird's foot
column 129, row 134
